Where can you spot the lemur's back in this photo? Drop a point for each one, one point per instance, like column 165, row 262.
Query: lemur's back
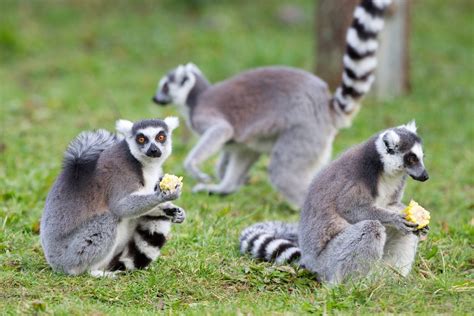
column 267, row 98
column 80, row 193
column 333, row 190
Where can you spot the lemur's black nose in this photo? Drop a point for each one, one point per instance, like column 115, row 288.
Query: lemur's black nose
column 423, row 177
column 155, row 99
column 154, row 152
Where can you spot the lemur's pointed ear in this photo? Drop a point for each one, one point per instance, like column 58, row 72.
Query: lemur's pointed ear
column 411, row 126
column 391, row 140
column 172, row 122
column 193, row 68
column 124, row 127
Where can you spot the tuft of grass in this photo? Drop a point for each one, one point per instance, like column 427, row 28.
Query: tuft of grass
column 70, row 66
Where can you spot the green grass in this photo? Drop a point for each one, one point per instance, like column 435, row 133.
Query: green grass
column 75, row 65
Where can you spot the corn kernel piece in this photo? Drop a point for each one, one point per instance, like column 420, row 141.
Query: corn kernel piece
column 170, row 182
column 417, row 214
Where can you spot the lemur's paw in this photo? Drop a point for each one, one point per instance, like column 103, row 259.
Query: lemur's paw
column 204, row 178
column 176, row 214
column 170, row 195
column 422, row 232
column 404, row 225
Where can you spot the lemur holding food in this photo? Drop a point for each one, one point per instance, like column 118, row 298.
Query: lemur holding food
column 285, row 112
column 353, row 215
column 107, row 211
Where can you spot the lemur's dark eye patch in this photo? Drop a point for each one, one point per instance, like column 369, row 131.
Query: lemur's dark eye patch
column 141, row 139
column 184, row 80
column 160, row 137
column 411, row 159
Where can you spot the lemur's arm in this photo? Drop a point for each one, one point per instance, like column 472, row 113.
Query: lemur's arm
column 210, row 142
column 385, row 216
column 135, row 205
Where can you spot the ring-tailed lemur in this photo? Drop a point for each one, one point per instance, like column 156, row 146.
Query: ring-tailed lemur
column 105, row 212
column 286, row 112
column 352, row 214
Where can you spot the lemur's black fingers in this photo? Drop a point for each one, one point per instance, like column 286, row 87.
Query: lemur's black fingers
column 171, row 211
column 176, row 215
column 178, row 219
column 423, row 231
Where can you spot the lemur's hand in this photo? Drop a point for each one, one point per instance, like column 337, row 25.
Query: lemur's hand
column 175, row 213
column 403, row 225
column 422, row 232
column 169, row 195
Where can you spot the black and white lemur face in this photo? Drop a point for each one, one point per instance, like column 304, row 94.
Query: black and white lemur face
column 401, row 150
column 176, row 85
column 148, row 140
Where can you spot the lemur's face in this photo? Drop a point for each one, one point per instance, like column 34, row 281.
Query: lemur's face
column 176, row 85
column 149, row 140
column 401, row 150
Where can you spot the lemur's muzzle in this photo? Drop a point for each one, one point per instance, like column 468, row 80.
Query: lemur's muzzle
column 161, row 99
column 153, row 151
column 422, row 177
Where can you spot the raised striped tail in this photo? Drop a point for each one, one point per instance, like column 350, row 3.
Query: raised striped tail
column 360, row 58
column 271, row 241
column 145, row 245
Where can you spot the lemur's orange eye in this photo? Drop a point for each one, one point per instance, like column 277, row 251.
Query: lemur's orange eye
column 141, row 139
column 160, row 138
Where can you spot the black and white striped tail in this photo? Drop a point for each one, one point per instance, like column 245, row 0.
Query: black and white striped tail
column 145, row 245
column 271, row 241
column 360, row 56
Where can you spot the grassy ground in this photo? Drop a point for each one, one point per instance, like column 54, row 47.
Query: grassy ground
column 66, row 68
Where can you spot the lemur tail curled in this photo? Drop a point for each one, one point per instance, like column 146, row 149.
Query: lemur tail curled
column 86, row 148
column 359, row 59
column 271, row 241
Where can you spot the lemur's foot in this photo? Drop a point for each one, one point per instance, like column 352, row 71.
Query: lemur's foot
column 211, row 189
column 176, row 214
column 196, row 173
column 104, row 274
column 203, row 177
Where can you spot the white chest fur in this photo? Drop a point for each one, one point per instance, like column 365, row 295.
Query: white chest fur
column 151, row 176
column 387, row 188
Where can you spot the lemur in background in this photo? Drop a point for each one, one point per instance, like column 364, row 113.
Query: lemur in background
column 352, row 215
column 286, row 112
column 105, row 212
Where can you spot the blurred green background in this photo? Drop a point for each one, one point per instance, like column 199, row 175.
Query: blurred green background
column 66, row 66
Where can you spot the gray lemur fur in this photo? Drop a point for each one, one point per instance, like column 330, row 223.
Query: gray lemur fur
column 285, row 112
column 104, row 212
column 352, row 216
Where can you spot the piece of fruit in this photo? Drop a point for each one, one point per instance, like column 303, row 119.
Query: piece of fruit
column 417, row 214
column 170, row 182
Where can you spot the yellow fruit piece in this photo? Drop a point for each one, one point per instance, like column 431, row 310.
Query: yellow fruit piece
column 417, row 214
column 170, row 182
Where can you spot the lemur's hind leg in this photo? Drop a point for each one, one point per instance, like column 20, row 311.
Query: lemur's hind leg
column 296, row 156
column 209, row 144
column 400, row 250
column 240, row 161
column 352, row 253
column 222, row 164
column 90, row 244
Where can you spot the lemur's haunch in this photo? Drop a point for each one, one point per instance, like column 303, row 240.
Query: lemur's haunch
column 104, row 213
column 353, row 214
column 285, row 112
